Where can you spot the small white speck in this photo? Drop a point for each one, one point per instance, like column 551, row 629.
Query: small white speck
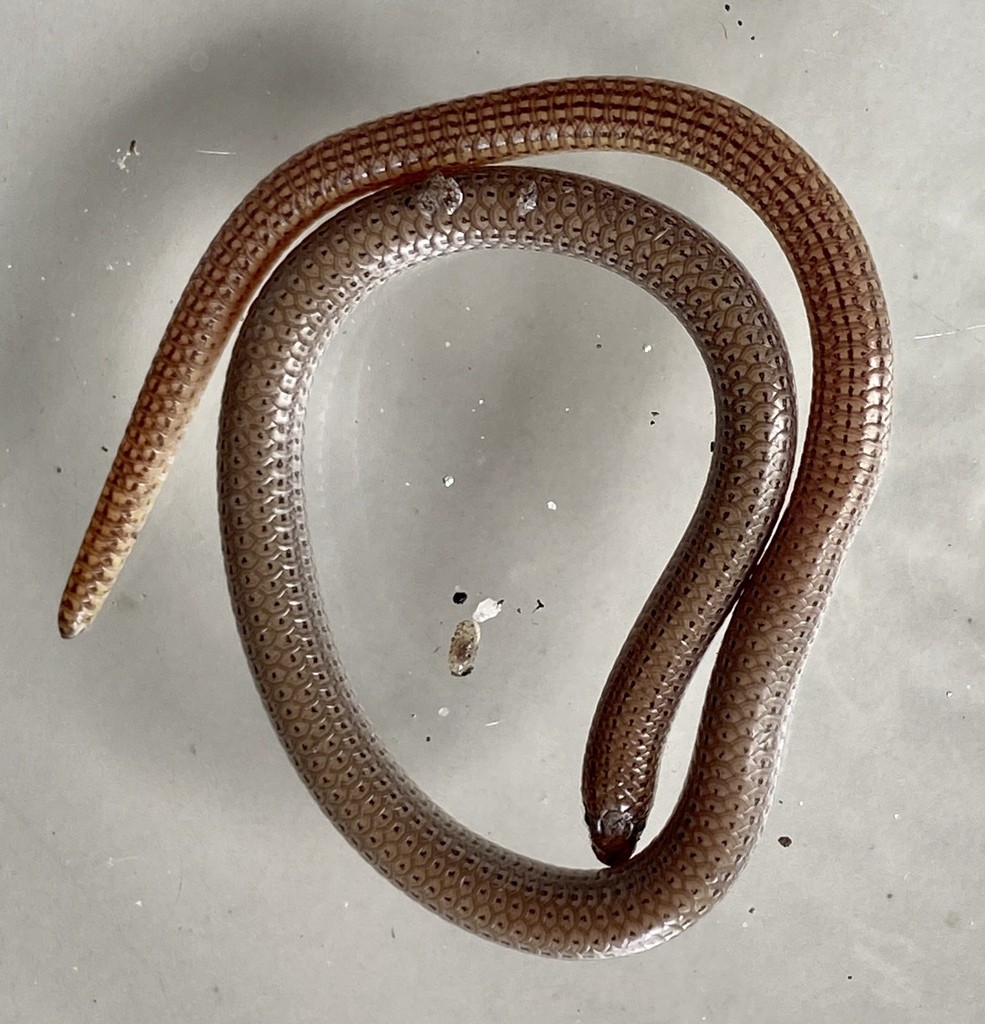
column 406, row 483
column 447, row 344
column 489, row 724
column 468, row 309
column 948, row 693
column 552, row 505
column 43, row 278
column 567, row 408
column 896, row 817
column 444, row 712
column 647, row 348
column 382, row 410
column 448, row 481
column 109, row 266
column 482, row 401
column 138, row 903
column 215, row 152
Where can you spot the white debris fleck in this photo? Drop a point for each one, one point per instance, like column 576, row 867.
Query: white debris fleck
column 444, row 712
column 487, row 609
column 440, row 193
column 647, row 348
column 123, row 155
column 527, row 198
column 448, row 480
column 552, row 505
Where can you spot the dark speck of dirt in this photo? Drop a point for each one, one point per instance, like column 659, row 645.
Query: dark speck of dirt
column 459, row 597
column 540, row 604
column 103, row 448
column 785, row 841
column 58, row 469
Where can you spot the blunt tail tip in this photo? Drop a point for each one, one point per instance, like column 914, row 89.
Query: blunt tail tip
column 73, row 618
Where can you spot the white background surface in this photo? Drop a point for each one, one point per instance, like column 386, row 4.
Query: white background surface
column 159, row 860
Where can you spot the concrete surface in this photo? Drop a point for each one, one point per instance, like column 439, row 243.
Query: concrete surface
column 158, row 859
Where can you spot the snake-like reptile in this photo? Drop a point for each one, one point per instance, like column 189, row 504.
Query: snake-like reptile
column 446, row 202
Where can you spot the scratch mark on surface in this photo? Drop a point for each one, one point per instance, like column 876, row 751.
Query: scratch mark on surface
column 215, row 152
column 111, row 862
column 948, row 334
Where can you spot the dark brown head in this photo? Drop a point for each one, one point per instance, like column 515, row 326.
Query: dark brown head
column 614, row 835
